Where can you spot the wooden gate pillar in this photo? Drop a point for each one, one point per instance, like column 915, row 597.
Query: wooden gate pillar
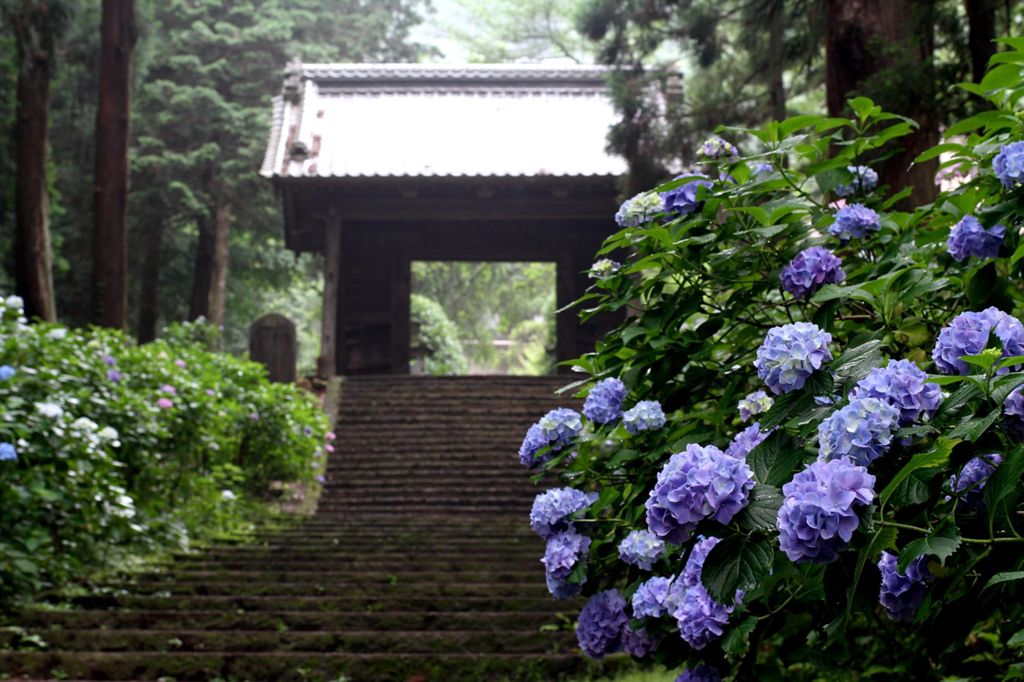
column 327, row 363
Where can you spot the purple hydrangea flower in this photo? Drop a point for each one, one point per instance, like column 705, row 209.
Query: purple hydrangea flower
column 864, row 180
column 854, row 221
column 902, row 593
column 968, row 238
column 968, row 334
column 554, row 430
column 651, row 598
column 561, row 555
column 810, row 269
column 700, row 618
column 1013, row 408
column 638, row 643
column 969, row 484
column 862, row 431
column 113, row 376
column 817, row 518
column 903, row 385
column 601, row 622
column 109, row 360
column 1009, row 165
column 639, row 209
column 6, row 372
column 696, row 484
column 762, row 168
column 641, row 548
column 683, row 199
column 604, row 402
column 701, row 673
column 552, row 510
column 181, row 364
column 790, row 354
column 7, row 452
column 746, row 440
column 603, row 268
column 167, row 388
column 753, row 404
column 717, row 148
column 646, row 415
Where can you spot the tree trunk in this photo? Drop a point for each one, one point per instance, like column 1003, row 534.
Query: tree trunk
column 202, row 274
column 981, row 34
column 110, row 189
column 776, row 85
column 871, row 44
column 219, row 273
column 149, row 292
column 32, row 258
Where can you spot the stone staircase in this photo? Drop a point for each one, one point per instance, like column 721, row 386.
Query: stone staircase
column 418, row 565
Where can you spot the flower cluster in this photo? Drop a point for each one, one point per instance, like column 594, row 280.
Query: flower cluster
column 683, row 199
column 651, row 598
column 861, row 431
column 810, row 269
column 601, row 624
column 864, row 180
column 603, row 268
column 641, row 548
column 696, row 484
column 902, row 593
column 968, row 238
column 903, row 385
column 854, row 221
column 554, row 430
column 1009, row 165
column 790, row 354
column 817, row 518
column 646, row 415
column 746, row 440
column 968, row 334
column 639, row 209
column 717, row 148
column 969, row 484
column 604, row 402
column 699, row 673
column 700, row 618
column 7, row 452
column 638, row 643
column 561, row 555
column 753, row 404
column 1013, row 408
column 553, row 510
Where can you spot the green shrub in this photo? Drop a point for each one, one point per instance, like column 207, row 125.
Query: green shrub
column 438, row 337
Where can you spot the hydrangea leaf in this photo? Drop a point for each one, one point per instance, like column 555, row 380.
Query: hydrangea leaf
column 972, row 429
column 1017, row 641
column 1005, row 577
column 937, row 456
column 737, row 640
column 1003, row 488
column 736, row 563
column 884, row 538
column 940, row 543
column 762, row 508
column 774, row 460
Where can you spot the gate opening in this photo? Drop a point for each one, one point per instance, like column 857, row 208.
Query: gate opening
column 482, row 317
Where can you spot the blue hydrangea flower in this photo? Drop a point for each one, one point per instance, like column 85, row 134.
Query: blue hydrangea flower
column 1013, row 408
column 762, row 168
column 561, row 555
column 753, row 404
column 810, row 269
column 903, row 385
column 864, row 180
column 553, row 509
column 862, row 431
column 968, row 334
column 790, row 354
column 701, row 673
column 683, row 199
column 555, row 430
column 696, row 484
column 604, row 402
column 639, row 210
column 603, row 268
column 641, row 548
column 638, row 643
column 746, row 440
column 969, row 484
column 854, row 221
column 601, row 622
column 817, row 517
column 651, row 598
column 700, row 618
column 109, row 360
column 6, row 372
column 7, row 452
column 902, row 593
column 717, row 148
column 968, row 238
column 646, row 415
column 1009, row 165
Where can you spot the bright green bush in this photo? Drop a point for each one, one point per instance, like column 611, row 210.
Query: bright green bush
column 126, row 446
column 704, row 285
column 437, row 336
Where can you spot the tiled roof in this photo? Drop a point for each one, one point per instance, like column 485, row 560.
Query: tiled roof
column 361, row 120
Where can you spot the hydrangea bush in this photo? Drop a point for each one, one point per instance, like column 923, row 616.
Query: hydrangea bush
column 834, row 476
column 106, row 445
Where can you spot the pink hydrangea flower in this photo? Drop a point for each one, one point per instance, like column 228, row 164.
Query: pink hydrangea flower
column 164, row 403
column 167, row 388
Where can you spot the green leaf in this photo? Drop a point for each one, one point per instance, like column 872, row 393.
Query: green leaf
column 859, row 360
column 937, row 456
column 884, row 538
column 972, row 429
column 863, row 107
column 940, row 543
column 1017, row 640
column 774, row 460
column 1003, row 76
column 737, row 639
column 1005, row 577
column 736, row 563
column 1003, row 487
column 939, row 149
column 762, row 508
